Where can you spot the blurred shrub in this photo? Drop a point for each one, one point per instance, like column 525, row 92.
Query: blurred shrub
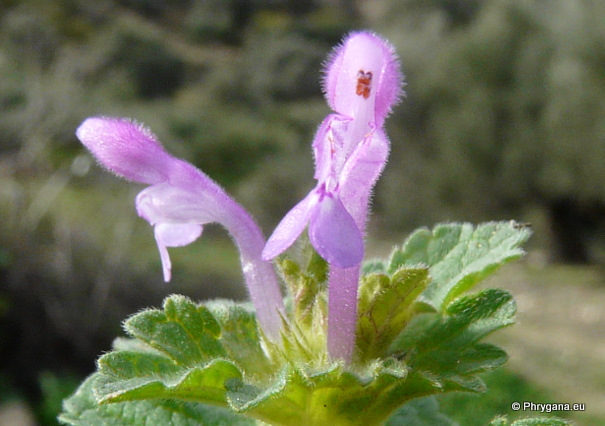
column 54, row 389
column 29, row 34
column 282, row 66
column 209, row 20
column 156, row 7
column 505, row 113
column 155, row 71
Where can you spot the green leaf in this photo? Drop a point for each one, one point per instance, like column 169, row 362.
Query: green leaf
column 304, row 332
column 499, row 421
column 459, row 256
column 81, row 409
column 333, row 395
column 240, row 338
column 184, row 331
column 384, row 308
column 306, row 286
column 446, row 348
column 148, row 376
column 373, row 266
column 179, row 354
column 186, row 351
column 128, row 376
column 178, row 359
column 420, row 412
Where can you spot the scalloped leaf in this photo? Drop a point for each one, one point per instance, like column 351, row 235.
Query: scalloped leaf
column 178, row 359
column 128, row 376
column 240, row 338
column 459, row 256
column 445, row 347
column 181, row 352
column 293, row 394
column 384, row 308
column 82, row 409
column 184, row 331
column 143, row 376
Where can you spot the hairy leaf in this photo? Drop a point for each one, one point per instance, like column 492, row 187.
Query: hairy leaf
column 373, row 266
column 307, row 285
column 332, row 395
column 178, row 359
column 459, row 256
column 447, row 348
column 184, row 331
column 384, row 308
column 82, row 409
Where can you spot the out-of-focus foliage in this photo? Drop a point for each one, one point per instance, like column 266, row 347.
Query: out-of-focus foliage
column 506, row 109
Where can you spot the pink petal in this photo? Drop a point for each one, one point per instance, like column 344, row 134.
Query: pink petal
column 323, row 149
column 290, row 227
column 126, row 148
column 363, row 77
column 177, row 234
column 174, row 235
column 361, row 172
column 334, row 233
column 166, row 203
column 390, row 88
column 166, row 263
column 332, row 146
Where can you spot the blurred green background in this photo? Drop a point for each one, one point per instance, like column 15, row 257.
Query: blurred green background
column 504, row 118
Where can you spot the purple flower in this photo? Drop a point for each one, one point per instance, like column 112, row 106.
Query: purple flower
column 362, row 84
column 180, row 200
